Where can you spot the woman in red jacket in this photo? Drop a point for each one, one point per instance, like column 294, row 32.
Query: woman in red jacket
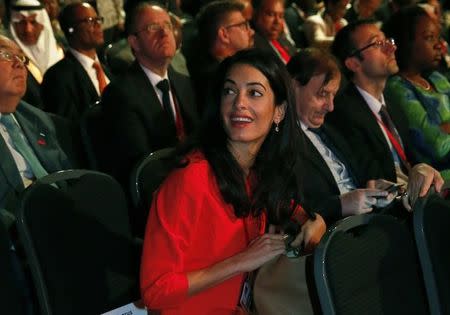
column 207, row 227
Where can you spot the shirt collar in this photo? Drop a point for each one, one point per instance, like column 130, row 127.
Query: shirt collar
column 86, row 61
column 153, row 77
column 303, row 125
column 372, row 102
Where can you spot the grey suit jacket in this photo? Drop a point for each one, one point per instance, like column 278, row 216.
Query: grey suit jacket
column 40, row 132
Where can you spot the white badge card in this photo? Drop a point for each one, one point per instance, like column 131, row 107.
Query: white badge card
column 134, row 308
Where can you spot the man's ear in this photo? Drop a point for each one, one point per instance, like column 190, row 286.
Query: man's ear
column 132, row 41
column 352, row 63
column 222, row 35
column 280, row 112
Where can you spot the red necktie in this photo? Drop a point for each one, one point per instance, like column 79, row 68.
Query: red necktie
column 100, row 76
column 283, row 52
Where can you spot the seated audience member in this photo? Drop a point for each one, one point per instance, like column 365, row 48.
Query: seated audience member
column 371, row 123
column 150, row 106
column 30, row 28
column 321, row 28
column 53, row 10
column 223, row 31
column 420, row 92
column 76, row 82
column 114, row 17
column 334, row 179
column 237, row 180
column 28, row 145
column 268, row 19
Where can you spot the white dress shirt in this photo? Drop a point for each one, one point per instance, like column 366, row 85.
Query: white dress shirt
column 337, row 168
column 154, row 80
column 87, row 63
column 24, row 169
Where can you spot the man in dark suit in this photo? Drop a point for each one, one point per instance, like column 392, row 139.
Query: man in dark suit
column 335, row 183
column 362, row 113
column 269, row 23
column 223, row 31
column 150, row 106
column 76, row 82
column 21, row 120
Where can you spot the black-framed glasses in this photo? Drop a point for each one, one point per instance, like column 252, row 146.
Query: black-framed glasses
column 245, row 25
column 385, row 45
column 91, row 21
column 11, row 57
column 155, row 28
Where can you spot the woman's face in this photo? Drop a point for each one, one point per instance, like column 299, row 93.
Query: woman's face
column 427, row 52
column 248, row 106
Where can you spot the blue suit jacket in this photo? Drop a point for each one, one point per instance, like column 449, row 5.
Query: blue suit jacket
column 40, row 132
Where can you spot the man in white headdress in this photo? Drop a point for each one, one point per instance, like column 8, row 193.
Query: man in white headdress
column 31, row 29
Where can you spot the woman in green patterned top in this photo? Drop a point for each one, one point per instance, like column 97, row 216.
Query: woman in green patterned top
column 421, row 92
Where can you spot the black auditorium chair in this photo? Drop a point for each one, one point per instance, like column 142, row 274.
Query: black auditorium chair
column 431, row 229
column 145, row 179
column 367, row 264
column 75, row 231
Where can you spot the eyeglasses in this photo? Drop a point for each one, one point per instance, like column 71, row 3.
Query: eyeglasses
column 386, row 45
column 245, row 25
column 91, row 21
column 155, row 28
column 7, row 56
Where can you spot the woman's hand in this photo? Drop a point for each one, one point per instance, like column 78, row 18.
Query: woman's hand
column 260, row 251
column 311, row 233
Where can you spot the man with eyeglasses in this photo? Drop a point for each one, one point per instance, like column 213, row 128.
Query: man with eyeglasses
column 150, row 106
column 28, row 145
column 373, row 126
column 85, row 77
column 223, row 31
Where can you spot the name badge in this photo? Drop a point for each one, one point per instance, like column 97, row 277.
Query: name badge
column 246, row 299
column 134, row 308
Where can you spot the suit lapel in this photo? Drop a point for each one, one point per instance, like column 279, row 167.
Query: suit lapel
column 82, row 75
column 8, row 166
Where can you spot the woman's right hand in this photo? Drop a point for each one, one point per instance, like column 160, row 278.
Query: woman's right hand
column 260, row 251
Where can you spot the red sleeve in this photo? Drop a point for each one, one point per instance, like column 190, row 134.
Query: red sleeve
column 172, row 220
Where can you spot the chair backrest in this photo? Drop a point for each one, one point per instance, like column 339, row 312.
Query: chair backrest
column 78, row 241
column 367, row 264
column 11, row 297
column 431, row 229
column 93, row 135
column 145, row 179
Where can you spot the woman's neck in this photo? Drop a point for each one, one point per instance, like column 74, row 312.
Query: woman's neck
column 416, row 78
column 244, row 154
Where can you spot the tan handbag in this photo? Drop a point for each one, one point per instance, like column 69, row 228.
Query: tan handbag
column 280, row 288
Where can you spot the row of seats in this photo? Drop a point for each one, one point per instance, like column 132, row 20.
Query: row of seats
column 74, row 228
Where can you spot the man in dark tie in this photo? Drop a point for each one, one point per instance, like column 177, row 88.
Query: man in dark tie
column 150, row 106
column 372, row 125
column 28, row 144
column 77, row 81
column 335, row 181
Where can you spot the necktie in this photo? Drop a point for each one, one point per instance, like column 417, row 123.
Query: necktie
column 387, row 121
column 281, row 50
column 100, row 76
column 22, row 146
column 164, row 87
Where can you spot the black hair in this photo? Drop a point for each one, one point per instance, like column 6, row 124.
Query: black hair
column 257, row 4
column 344, row 45
column 211, row 16
column 275, row 186
column 401, row 26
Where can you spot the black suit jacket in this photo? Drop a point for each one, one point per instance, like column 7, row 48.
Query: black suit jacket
column 39, row 129
column 67, row 89
column 138, row 123
column 319, row 188
column 262, row 43
column 354, row 119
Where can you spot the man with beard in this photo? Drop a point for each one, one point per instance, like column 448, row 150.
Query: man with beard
column 84, row 76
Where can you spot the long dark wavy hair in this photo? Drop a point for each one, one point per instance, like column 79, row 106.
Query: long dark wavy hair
column 275, row 187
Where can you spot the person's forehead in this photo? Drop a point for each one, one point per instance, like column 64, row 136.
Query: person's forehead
column 273, row 5
column 367, row 33
column 84, row 11
column 152, row 14
column 233, row 17
column 8, row 45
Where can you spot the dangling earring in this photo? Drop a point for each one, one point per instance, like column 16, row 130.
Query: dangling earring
column 277, row 129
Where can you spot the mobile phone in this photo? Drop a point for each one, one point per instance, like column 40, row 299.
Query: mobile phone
column 394, row 188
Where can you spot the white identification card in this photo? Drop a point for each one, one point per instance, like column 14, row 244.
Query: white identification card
column 134, row 308
column 246, row 299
